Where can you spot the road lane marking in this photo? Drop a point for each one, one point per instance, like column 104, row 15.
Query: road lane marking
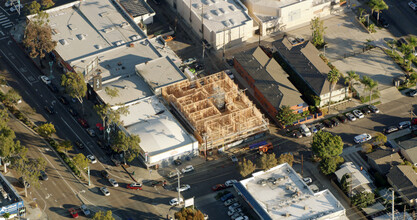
column 17, row 69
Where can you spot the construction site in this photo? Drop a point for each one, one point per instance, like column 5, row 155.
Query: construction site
column 216, row 111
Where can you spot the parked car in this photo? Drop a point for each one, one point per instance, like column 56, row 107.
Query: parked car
column 9, row 3
column 177, row 162
column 158, row 182
column 105, row 174
column 63, row 100
column 189, row 61
column 113, row 182
column 373, row 109
column 351, row 117
column 230, row 201
column 296, row 134
column 362, row 138
column 243, row 218
column 382, row 22
column 401, row 41
column 100, row 143
column 136, row 186
column 79, row 144
column 73, row 212
column 85, row 210
column 227, row 197
column 334, row 121
column 187, row 169
column 233, row 211
column 320, row 126
column 328, row 123
column 237, row 215
column 53, row 88
column 365, row 110
column 390, row 129
column 342, row 118
column 313, row 129
column 230, row 183
column 43, row 176
column 412, row 5
column 358, row 113
column 230, row 74
column 234, row 206
column 168, row 38
column 72, row 111
column 307, row 180
column 175, row 202
column 49, row 109
column 105, row 191
column 412, row 93
column 218, row 187
column 304, row 130
column 92, row 158
column 183, row 187
column 46, row 80
column 91, row 132
column 83, row 122
column 172, row 174
column 234, row 158
column 404, row 124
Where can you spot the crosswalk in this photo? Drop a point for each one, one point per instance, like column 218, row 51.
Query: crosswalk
column 5, row 21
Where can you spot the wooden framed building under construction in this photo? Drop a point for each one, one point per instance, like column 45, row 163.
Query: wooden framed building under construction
column 216, row 110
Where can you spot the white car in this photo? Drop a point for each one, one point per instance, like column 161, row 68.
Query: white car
column 45, row 80
column 174, row 201
column 350, row 116
column 234, row 206
column 404, row 124
column 14, row 8
column 105, row 191
column 358, row 113
column 183, row 188
column 91, row 132
column 187, row 169
column 362, row 138
column 189, row 61
column 113, row 183
column 230, row 201
column 92, row 158
column 242, row 218
column 230, row 74
column 9, row 3
column 412, row 5
column 233, row 211
column 234, row 159
column 230, row 183
column 236, row 215
column 85, row 210
column 307, row 180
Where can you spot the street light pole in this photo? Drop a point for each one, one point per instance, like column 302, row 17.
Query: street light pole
column 88, row 172
column 178, row 189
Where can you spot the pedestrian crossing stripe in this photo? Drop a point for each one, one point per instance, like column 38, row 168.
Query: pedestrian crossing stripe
column 2, row 16
column 5, row 19
column 8, row 23
column 7, row 26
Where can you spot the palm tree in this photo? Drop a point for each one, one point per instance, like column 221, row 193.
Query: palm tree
column 333, row 77
column 378, row 6
column 365, row 81
column 372, row 84
column 350, row 78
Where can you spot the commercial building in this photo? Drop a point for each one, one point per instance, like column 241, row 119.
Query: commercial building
column 308, row 72
column 10, row 200
column 162, row 138
column 278, row 16
column 269, row 81
column 280, row 193
column 219, row 22
column 215, row 110
column 139, row 10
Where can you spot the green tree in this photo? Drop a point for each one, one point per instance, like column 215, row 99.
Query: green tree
column 246, row 167
column 345, row 183
column 378, row 6
column 363, row 199
column 372, row 85
column 12, row 96
column 115, row 114
column 129, row 145
column 326, row 145
column 351, row 76
column 317, row 26
column 75, row 86
column 9, row 148
column 392, row 44
column 33, row 8
column 112, row 92
column 366, row 148
column 46, row 130
column 102, row 111
column 81, row 161
column 47, row 4
column 380, row 139
column 65, row 146
column 286, row 116
column 286, row 158
column 328, row 165
column 101, row 216
column 412, row 40
column 189, row 213
column 30, row 169
column 333, row 77
column 267, row 161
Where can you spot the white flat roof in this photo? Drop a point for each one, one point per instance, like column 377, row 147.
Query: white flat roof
column 157, row 128
column 276, row 4
column 160, row 72
column 290, row 196
column 220, row 15
column 89, row 27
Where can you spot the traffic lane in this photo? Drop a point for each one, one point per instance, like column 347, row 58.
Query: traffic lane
column 401, row 17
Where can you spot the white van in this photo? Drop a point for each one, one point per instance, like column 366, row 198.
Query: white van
column 362, row 138
column 305, row 131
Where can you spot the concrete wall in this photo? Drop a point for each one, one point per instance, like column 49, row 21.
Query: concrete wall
column 166, row 158
column 337, row 95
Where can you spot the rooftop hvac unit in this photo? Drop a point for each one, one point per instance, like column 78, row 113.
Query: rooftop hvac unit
column 72, row 27
column 134, row 37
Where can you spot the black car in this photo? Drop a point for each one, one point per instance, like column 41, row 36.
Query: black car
column 72, row 111
column 373, row 109
column 297, row 134
column 382, row 22
column 412, row 93
column 342, row 118
column 177, row 162
column 49, row 109
column 328, row 123
column 105, row 174
column 334, row 121
column 365, row 110
column 63, row 100
column 100, row 144
column 231, row 62
column 53, row 88
column 199, row 66
column 390, row 129
column 79, row 144
column 320, row 126
column 43, row 175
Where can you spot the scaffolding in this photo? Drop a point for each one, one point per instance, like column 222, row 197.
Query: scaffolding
column 219, row 112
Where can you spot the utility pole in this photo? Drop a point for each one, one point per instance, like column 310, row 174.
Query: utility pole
column 392, row 204
column 88, row 172
column 178, row 189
